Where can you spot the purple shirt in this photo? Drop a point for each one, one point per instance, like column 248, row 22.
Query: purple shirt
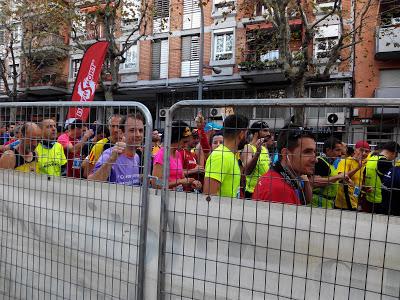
column 124, row 171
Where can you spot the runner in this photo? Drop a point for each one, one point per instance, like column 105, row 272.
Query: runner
column 287, row 180
column 377, row 166
column 222, row 174
column 72, row 144
column 349, row 192
column 114, row 131
column 156, row 140
column 121, row 164
column 255, row 156
column 51, row 156
column 180, row 137
column 23, row 157
column 326, row 177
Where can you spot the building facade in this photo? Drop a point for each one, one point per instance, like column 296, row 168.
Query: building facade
column 377, row 70
column 163, row 66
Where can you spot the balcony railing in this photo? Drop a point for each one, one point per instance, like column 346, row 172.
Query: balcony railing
column 388, row 43
column 48, row 47
column 47, row 80
column 253, row 60
column 49, row 40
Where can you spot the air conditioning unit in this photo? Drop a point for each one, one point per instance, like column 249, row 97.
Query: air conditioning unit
column 216, row 112
column 324, row 7
column 337, row 118
column 162, row 113
column 395, row 21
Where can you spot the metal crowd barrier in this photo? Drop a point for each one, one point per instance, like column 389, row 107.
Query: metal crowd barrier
column 224, row 248
column 70, row 238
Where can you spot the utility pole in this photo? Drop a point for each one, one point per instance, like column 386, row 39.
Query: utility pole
column 201, row 54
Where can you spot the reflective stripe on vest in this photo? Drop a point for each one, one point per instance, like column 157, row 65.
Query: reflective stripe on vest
column 260, row 169
column 325, row 196
column 372, row 180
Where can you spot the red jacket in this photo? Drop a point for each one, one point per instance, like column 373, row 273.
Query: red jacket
column 273, row 187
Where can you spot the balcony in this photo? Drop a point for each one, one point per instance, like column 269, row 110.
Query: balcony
column 51, row 84
column 259, row 68
column 388, row 43
column 49, row 47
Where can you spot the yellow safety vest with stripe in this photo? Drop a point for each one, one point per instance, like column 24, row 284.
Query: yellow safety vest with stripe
column 325, row 196
column 260, row 169
column 373, row 180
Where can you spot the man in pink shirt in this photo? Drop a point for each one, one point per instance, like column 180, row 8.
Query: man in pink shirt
column 72, row 142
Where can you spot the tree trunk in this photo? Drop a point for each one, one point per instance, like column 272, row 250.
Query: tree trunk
column 108, row 94
column 300, row 111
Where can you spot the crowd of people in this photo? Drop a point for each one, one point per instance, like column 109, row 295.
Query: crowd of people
column 235, row 160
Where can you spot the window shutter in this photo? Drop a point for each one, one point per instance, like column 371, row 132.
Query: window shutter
column 187, row 7
column 164, row 59
column 155, row 60
column 186, row 47
column 195, row 48
column 161, row 9
column 190, row 56
column 2, row 39
column 191, row 14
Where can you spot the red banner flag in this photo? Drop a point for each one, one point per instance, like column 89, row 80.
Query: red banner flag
column 86, row 81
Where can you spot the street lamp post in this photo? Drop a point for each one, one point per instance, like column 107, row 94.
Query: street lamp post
column 201, row 54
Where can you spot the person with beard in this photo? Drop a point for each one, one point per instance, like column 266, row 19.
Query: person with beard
column 23, row 157
column 222, row 171
column 326, row 178
column 103, row 144
column 51, row 156
column 287, row 180
column 156, row 140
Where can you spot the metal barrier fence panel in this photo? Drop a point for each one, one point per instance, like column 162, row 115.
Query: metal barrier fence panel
column 72, row 238
column 227, row 248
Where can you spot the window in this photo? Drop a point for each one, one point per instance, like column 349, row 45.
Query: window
column 2, row 37
column 390, row 12
column 94, row 28
column 190, row 56
column 223, row 46
column 79, row 24
column 75, row 65
column 159, row 59
column 326, row 38
column 324, row 91
column 324, row 46
column 324, row 6
column 191, row 14
column 130, row 58
column 270, row 55
column 161, row 9
column 223, row 7
column 271, row 112
column 17, row 33
column 131, row 13
column 161, row 16
column 11, row 71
